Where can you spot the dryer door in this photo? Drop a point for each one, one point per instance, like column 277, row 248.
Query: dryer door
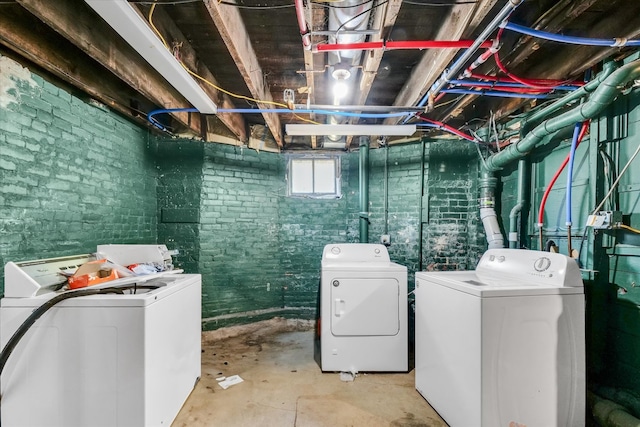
column 364, row 307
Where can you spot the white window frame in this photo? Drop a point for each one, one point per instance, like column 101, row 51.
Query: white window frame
column 309, row 164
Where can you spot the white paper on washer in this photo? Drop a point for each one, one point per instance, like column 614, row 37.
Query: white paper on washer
column 229, row 381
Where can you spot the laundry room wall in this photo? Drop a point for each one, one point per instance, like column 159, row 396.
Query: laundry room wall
column 610, row 259
column 72, row 174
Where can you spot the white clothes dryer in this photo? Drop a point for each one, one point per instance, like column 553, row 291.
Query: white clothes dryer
column 363, row 309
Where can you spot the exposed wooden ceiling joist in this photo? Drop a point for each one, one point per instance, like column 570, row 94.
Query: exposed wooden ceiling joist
column 234, row 33
column 31, row 39
column 462, row 20
column 173, row 36
column 81, row 27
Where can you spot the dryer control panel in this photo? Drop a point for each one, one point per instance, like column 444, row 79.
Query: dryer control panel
column 355, row 252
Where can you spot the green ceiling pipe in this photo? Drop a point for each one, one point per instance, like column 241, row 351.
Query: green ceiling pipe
column 604, row 95
column 588, row 88
column 364, row 189
column 520, row 203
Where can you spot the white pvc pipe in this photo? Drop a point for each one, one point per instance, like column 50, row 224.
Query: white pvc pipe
column 491, row 228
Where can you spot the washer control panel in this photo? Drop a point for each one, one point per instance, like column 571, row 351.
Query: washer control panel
column 528, row 267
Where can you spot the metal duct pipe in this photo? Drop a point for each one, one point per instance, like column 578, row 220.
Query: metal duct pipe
column 606, row 92
column 364, row 189
column 487, row 186
column 515, row 213
column 343, row 63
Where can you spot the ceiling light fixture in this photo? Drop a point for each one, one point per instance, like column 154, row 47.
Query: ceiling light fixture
column 126, row 21
column 349, row 130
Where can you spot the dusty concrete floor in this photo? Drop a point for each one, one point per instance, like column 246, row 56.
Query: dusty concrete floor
column 283, row 386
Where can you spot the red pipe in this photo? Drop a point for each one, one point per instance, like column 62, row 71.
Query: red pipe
column 503, row 89
column 391, row 45
column 549, row 82
column 543, row 202
column 302, row 24
column 448, row 128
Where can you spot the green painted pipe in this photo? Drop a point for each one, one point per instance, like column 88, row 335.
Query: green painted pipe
column 520, row 202
column 604, row 95
column 534, row 118
column 364, row 189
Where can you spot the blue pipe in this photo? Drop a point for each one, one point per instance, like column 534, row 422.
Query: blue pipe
column 495, row 93
column 273, row 110
column 584, row 41
column 507, row 84
column 572, row 154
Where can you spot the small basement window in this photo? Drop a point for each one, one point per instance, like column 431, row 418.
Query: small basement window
column 313, row 176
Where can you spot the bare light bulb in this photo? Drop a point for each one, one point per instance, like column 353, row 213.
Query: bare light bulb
column 340, row 89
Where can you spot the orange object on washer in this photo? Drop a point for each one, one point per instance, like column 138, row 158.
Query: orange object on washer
column 92, row 273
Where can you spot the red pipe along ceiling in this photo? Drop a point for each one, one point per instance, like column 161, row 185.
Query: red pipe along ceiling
column 396, row 45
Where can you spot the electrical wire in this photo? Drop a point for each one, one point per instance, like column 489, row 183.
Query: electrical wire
column 448, row 128
column 196, row 75
column 359, row 15
column 617, row 181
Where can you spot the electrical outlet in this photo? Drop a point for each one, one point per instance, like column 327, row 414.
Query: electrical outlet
column 385, row 239
column 605, row 219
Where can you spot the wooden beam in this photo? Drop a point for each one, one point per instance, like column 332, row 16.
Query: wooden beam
column 463, row 19
column 31, row 39
column 234, row 34
column 78, row 24
column 385, row 18
column 172, row 35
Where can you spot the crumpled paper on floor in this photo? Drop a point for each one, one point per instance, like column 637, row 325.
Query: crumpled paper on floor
column 229, row 381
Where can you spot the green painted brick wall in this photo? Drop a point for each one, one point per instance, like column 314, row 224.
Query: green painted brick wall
column 71, row 175
column 179, row 186
column 239, row 233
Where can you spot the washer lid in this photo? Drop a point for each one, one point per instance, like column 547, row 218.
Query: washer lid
column 148, row 291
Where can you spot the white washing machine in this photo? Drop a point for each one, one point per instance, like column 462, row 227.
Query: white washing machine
column 128, row 359
column 363, row 309
column 503, row 345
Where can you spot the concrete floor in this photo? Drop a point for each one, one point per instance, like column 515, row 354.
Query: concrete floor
column 283, row 386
